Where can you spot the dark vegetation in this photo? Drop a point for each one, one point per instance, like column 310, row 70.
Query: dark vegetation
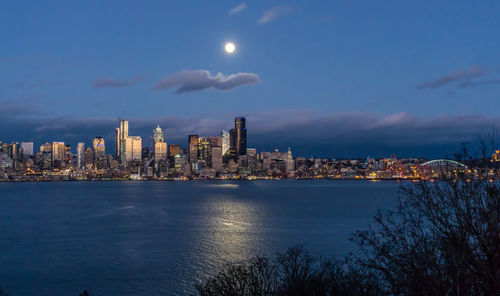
column 443, row 238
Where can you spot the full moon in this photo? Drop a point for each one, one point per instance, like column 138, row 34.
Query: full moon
column 229, row 47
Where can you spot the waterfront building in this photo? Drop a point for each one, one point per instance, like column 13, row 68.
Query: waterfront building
column 80, row 150
column 27, row 149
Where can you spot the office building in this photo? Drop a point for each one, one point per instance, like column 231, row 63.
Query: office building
column 27, row 149
column 58, row 154
column 99, row 147
column 216, row 161
column 80, row 150
column 157, row 135
column 240, row 136
column 174, row 149
column 226, row 142
column 193, row 148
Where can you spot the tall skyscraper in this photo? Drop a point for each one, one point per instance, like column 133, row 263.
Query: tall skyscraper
column 58, row 153
column 27, row 149
column 160, row 147
column 99, row 147
column 240, row 134
column 121, row 140
column 80, row 150
column 128, row 148
column 157, row 135
column 193, row 148
column 226, row 142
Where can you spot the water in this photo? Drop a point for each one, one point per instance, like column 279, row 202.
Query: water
column 160, row 238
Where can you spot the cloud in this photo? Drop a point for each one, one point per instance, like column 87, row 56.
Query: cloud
column 273, row 13
column 467, row 84
column 338, row 135
column 456, row 76
column 112, row 82
column 235, row 10
column 188, row 81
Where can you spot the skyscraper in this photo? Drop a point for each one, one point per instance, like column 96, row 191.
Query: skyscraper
column 157, row 135
column 27, row 149
column 128, row 148
column 240, row 134
column 133, row 148
column 193, row 148
column 226, row 142
column 58, row 153
column 99, row 147
column 160, row 147
column 121, row 140
column 80, row 150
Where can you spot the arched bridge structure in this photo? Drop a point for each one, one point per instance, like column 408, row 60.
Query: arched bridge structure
column 444, row 163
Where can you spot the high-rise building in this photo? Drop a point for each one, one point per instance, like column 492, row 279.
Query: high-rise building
column 145, row 153
column 133, row 148
column 226, row 142
column 157, row 135
column 160, row 151
column 80, row 150
column 58, row 154
column 240, row 134
column 121, row 141
column 99, row 147
column 128, row 148
column 27, row 149
column 46, row 151
column 174, row 149
column 193, row 148
column 88, row 157
column 216, row 161
column 160, row 147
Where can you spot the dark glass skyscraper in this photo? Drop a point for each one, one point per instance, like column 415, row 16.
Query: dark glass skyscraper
column 240, row 136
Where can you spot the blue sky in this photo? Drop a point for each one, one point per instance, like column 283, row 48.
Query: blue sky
column 409, row 64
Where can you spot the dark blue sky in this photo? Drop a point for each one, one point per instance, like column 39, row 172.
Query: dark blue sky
column 331, row 78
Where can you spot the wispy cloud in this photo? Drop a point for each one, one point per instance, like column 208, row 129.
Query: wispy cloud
column 188, row 81
column 458, row 76
column 273, row 13
column 467, row 84
column 113, row 82
column 235, row 10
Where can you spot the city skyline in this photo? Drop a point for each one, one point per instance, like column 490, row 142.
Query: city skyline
column 329, row 79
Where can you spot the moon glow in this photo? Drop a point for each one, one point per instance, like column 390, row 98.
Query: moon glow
column 229, row 47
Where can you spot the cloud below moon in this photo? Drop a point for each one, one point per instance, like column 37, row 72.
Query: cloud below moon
column 197, row 80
